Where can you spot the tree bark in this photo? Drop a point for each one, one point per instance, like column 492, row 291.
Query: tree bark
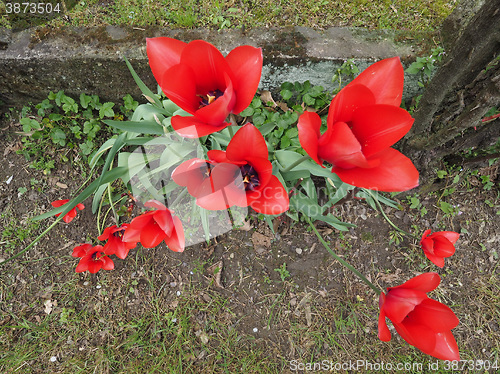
column 464, row 88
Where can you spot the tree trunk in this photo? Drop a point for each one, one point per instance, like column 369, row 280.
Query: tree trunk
column 464, row 88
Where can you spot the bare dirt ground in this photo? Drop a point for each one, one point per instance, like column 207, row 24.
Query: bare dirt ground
column 239, row 312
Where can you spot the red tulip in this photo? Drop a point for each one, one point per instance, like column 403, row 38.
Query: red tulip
column 241, row 176
column 199, row 79
column 422, row 322
column 364, row 120
column 92, row 258
column 153, row 227
column 71, row 214
column 439, row 245
column 116, row 245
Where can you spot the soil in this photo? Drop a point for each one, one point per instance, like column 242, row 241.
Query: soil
column 239, row 267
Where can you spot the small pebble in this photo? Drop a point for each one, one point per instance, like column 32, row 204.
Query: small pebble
column 255, row 329
column 298, row 250
column 86, row 283
column 53, row 359
column 174, row 320
column 98, row 286
column 178, row 293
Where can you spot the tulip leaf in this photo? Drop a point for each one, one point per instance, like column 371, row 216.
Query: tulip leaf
column 340, row 193
column 204, row 222
column 97, row 197
column 140, row 127
column 107, row 177
column 310, row 208
column 310, row 188
column 107, row 145
column 144, row 89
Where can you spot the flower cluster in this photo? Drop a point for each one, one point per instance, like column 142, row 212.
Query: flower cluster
column 364, row 120
column 149, row 229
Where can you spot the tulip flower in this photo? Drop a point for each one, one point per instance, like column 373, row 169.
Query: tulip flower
column 92, row 258
column 422, row 322
column 71, row 214
column 363, row 121
column 153, row 227
column 116, row 245
column 241, row 176
column 439, row 245
column 200, row 80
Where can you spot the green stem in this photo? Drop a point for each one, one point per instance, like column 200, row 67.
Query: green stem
column 180, row 196
column 231, row 131
column 342, row 261
column 298, row 162
column 112, row 205
column 387, row 218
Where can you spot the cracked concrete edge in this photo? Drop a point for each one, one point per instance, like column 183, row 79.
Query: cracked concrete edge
column 36, row 61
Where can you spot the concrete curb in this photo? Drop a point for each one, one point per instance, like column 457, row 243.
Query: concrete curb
column 36, row 61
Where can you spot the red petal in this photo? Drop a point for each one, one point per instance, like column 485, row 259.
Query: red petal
column 347, row 101
column 208, row 65
column 191, row 127
column 435, row 315
column 246, row 64
column 443, row 247
column 155, row 204
column 80, row 206
column 450, row 235
column 271, row 199
column 217, row 112
column 224, row 191
column 70, row 216
column 383, row 331
column 400, row 302
column 83, row 265
column 133, row 232
column 263, row 167
column 339, row 146
column 385, row 79
column 191, row 174
column 436, row 260
column 427, row 245
column 163, row 53
column 81, row 250
column 425, row 234
column 178, row 85
column 417, row 335
column 309, row 132
column 58, row 203
column 379, row 126
column 164, row 220
column 424, row 282
column 107, row 263
column 217, row 156
column 108, row 231
column 395, row 172
column 176, row 241
column 446, row 347
column 247, row 143
column 151, row 235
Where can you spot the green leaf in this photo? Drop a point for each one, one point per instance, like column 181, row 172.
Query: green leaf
column 308, row 99
column 97, row 197
column 107, row 110
column 140, row 127
column 107, row 177
column 144, row 89
column 85, row 100
column 286, row 94
column 247, row 112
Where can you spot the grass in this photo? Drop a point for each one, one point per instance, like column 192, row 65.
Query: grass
column 416, row 15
